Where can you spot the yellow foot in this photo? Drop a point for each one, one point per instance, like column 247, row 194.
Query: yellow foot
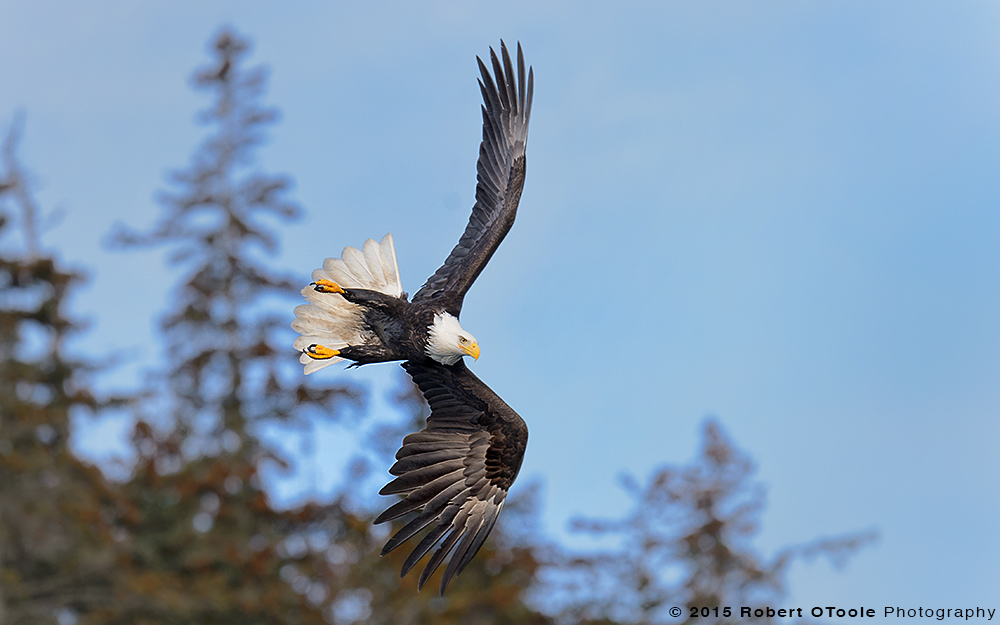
column 318, row 352
column 326, row 286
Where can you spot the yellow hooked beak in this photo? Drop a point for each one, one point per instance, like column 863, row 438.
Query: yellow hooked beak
column 471, row 349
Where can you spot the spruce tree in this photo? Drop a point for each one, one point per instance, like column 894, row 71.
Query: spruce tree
column 687, row 543
column 206, row 542
column 57, row 513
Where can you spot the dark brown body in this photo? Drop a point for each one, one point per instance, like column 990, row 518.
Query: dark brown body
column 395, row 328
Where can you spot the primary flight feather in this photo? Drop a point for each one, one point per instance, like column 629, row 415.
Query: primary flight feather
column 455, row 473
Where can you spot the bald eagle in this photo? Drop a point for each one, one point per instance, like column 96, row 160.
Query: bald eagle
column 455, row 473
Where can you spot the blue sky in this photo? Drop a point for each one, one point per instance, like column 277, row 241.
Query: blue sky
column 785, row 214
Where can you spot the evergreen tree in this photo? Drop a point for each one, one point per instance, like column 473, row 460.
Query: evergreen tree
column 227, row 348
column 57, row 513
column 205, row 542
column 687, row 543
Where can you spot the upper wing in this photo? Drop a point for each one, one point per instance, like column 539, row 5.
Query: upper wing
column 501, row 177
column 455, row 472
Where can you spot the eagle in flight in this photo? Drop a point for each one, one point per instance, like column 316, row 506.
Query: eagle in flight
column 455, row 473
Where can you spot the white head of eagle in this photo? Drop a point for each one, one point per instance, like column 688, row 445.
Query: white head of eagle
column 448, row 341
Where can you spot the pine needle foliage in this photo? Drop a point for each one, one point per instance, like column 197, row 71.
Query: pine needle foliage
column 57, row 547
column 227, row 361
column 688, row 541
column 206, row 543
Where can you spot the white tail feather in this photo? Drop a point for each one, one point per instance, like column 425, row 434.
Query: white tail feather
column 330, row 320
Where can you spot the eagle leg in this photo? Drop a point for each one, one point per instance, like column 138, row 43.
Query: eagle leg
column 368, row 354
column 373, row 299
column 318, row 352
column 326, row 286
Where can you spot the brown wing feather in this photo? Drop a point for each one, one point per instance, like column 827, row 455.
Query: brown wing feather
column 501, row 167
column 456, row 472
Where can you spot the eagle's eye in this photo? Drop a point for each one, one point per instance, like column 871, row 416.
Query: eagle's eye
column 462, row 339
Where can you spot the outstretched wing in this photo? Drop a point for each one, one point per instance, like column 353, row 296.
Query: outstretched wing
column 455, row 473
column 501, row 169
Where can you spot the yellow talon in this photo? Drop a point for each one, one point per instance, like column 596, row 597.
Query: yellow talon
column 327, row 286
column 318, row 352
